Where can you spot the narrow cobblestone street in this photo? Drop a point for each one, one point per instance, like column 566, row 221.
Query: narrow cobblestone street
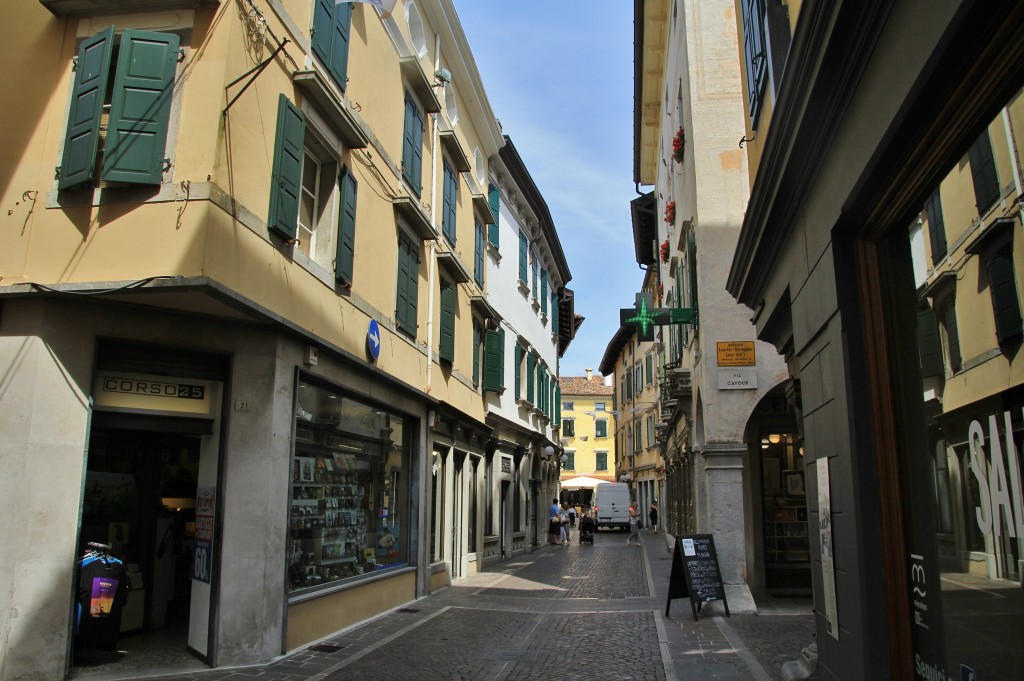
column 565, row 612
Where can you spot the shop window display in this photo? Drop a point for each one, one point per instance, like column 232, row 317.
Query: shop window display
column 961, row 419
column 349, row 489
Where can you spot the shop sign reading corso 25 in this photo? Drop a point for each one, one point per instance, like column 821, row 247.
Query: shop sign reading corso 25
column 131, row 386
column 997, row 498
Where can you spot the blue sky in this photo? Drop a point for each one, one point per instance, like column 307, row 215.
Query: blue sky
column 559, row 77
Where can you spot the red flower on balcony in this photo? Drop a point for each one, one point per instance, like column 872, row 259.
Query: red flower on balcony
column 670, row 212
column 679, row 145
column 664, row 250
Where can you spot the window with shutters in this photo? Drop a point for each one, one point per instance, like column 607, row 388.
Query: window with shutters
column 312, row 196
column 1002, row 284
column 446, row 342
column 412, row 146
column 478, row 255
column 554, row 312
column 543, row 291
column 119, row 119
column 650, row 369
column 936, row 227
column 569, row 427
column 531, row 371
column 494, row 201
column 478, row 337
column 601, row 428
column 407, row 290
column 524, row 251
column 570, row 461
column 449, row 198
column 494, row 360
column 534, row 275
column 755, row 56
column 994, row 247
column 520, row 353
column 330, row 38
column 983, row 172
column 601, row 461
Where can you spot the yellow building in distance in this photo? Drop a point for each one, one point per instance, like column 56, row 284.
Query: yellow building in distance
column 588, row 435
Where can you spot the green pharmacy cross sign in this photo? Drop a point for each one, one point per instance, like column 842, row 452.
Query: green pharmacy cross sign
column 644, row 316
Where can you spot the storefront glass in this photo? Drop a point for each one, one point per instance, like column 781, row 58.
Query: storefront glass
column 350, row 489
column 955, row 296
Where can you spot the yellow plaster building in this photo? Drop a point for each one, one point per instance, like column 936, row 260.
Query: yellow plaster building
column 243, row 298
column 587, row 435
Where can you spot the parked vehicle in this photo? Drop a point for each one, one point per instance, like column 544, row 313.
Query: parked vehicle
column 611, row 505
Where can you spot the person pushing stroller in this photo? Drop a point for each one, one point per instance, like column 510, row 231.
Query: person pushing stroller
column 587, row 528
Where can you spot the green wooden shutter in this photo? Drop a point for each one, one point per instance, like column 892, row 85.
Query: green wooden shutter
column 983, row 172
column 412, row 147
column 936, row 227
column 339, row 43
column 1005, row 304
column 531, row 370
column 82, row 137
column 544, row 291
column 346, row 228
column 534, row 269
column 287, row 171
column 554, row 312
column 477, row 333
column 140, row 108
column 952, row 335
column 478, row 255
column 519, row 370
column 650, row 369
column 494, row 361
column 408, row 285
column 494, row 200
column 558, row 404
column 524, row 247
column 928, row 345
column 451, row 188
column 323, row 29
column 446, row 346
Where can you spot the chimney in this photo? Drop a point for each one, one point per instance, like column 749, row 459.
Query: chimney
column 590, row 375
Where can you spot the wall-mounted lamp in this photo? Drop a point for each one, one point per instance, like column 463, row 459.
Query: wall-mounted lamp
column 564, row 459
column 548, row 452
column 625, row 477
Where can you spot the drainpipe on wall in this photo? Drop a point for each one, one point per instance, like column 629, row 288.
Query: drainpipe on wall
column 432, row 257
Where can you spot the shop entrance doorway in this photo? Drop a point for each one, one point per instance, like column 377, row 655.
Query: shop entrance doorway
column 139, row 508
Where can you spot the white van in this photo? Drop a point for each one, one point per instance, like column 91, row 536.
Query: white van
column 611, row 505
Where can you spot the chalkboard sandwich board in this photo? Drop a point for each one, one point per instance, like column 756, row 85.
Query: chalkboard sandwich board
column 695, row 573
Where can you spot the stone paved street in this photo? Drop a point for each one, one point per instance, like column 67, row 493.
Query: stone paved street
column 563, row 612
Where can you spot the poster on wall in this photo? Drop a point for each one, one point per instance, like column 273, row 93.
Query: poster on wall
column 825, row 541
column 202, row 559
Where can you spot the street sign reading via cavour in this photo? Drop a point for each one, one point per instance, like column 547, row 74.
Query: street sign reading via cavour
column 736, row 354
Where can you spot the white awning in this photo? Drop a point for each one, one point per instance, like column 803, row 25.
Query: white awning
column 581, row 482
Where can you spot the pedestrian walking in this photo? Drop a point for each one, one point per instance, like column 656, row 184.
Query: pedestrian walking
column 564, row 518
column 634, row 526
column 554, row 523
column 652, row 515
column 572, row 516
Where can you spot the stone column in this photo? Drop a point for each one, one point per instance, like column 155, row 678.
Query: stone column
column 721, row 514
